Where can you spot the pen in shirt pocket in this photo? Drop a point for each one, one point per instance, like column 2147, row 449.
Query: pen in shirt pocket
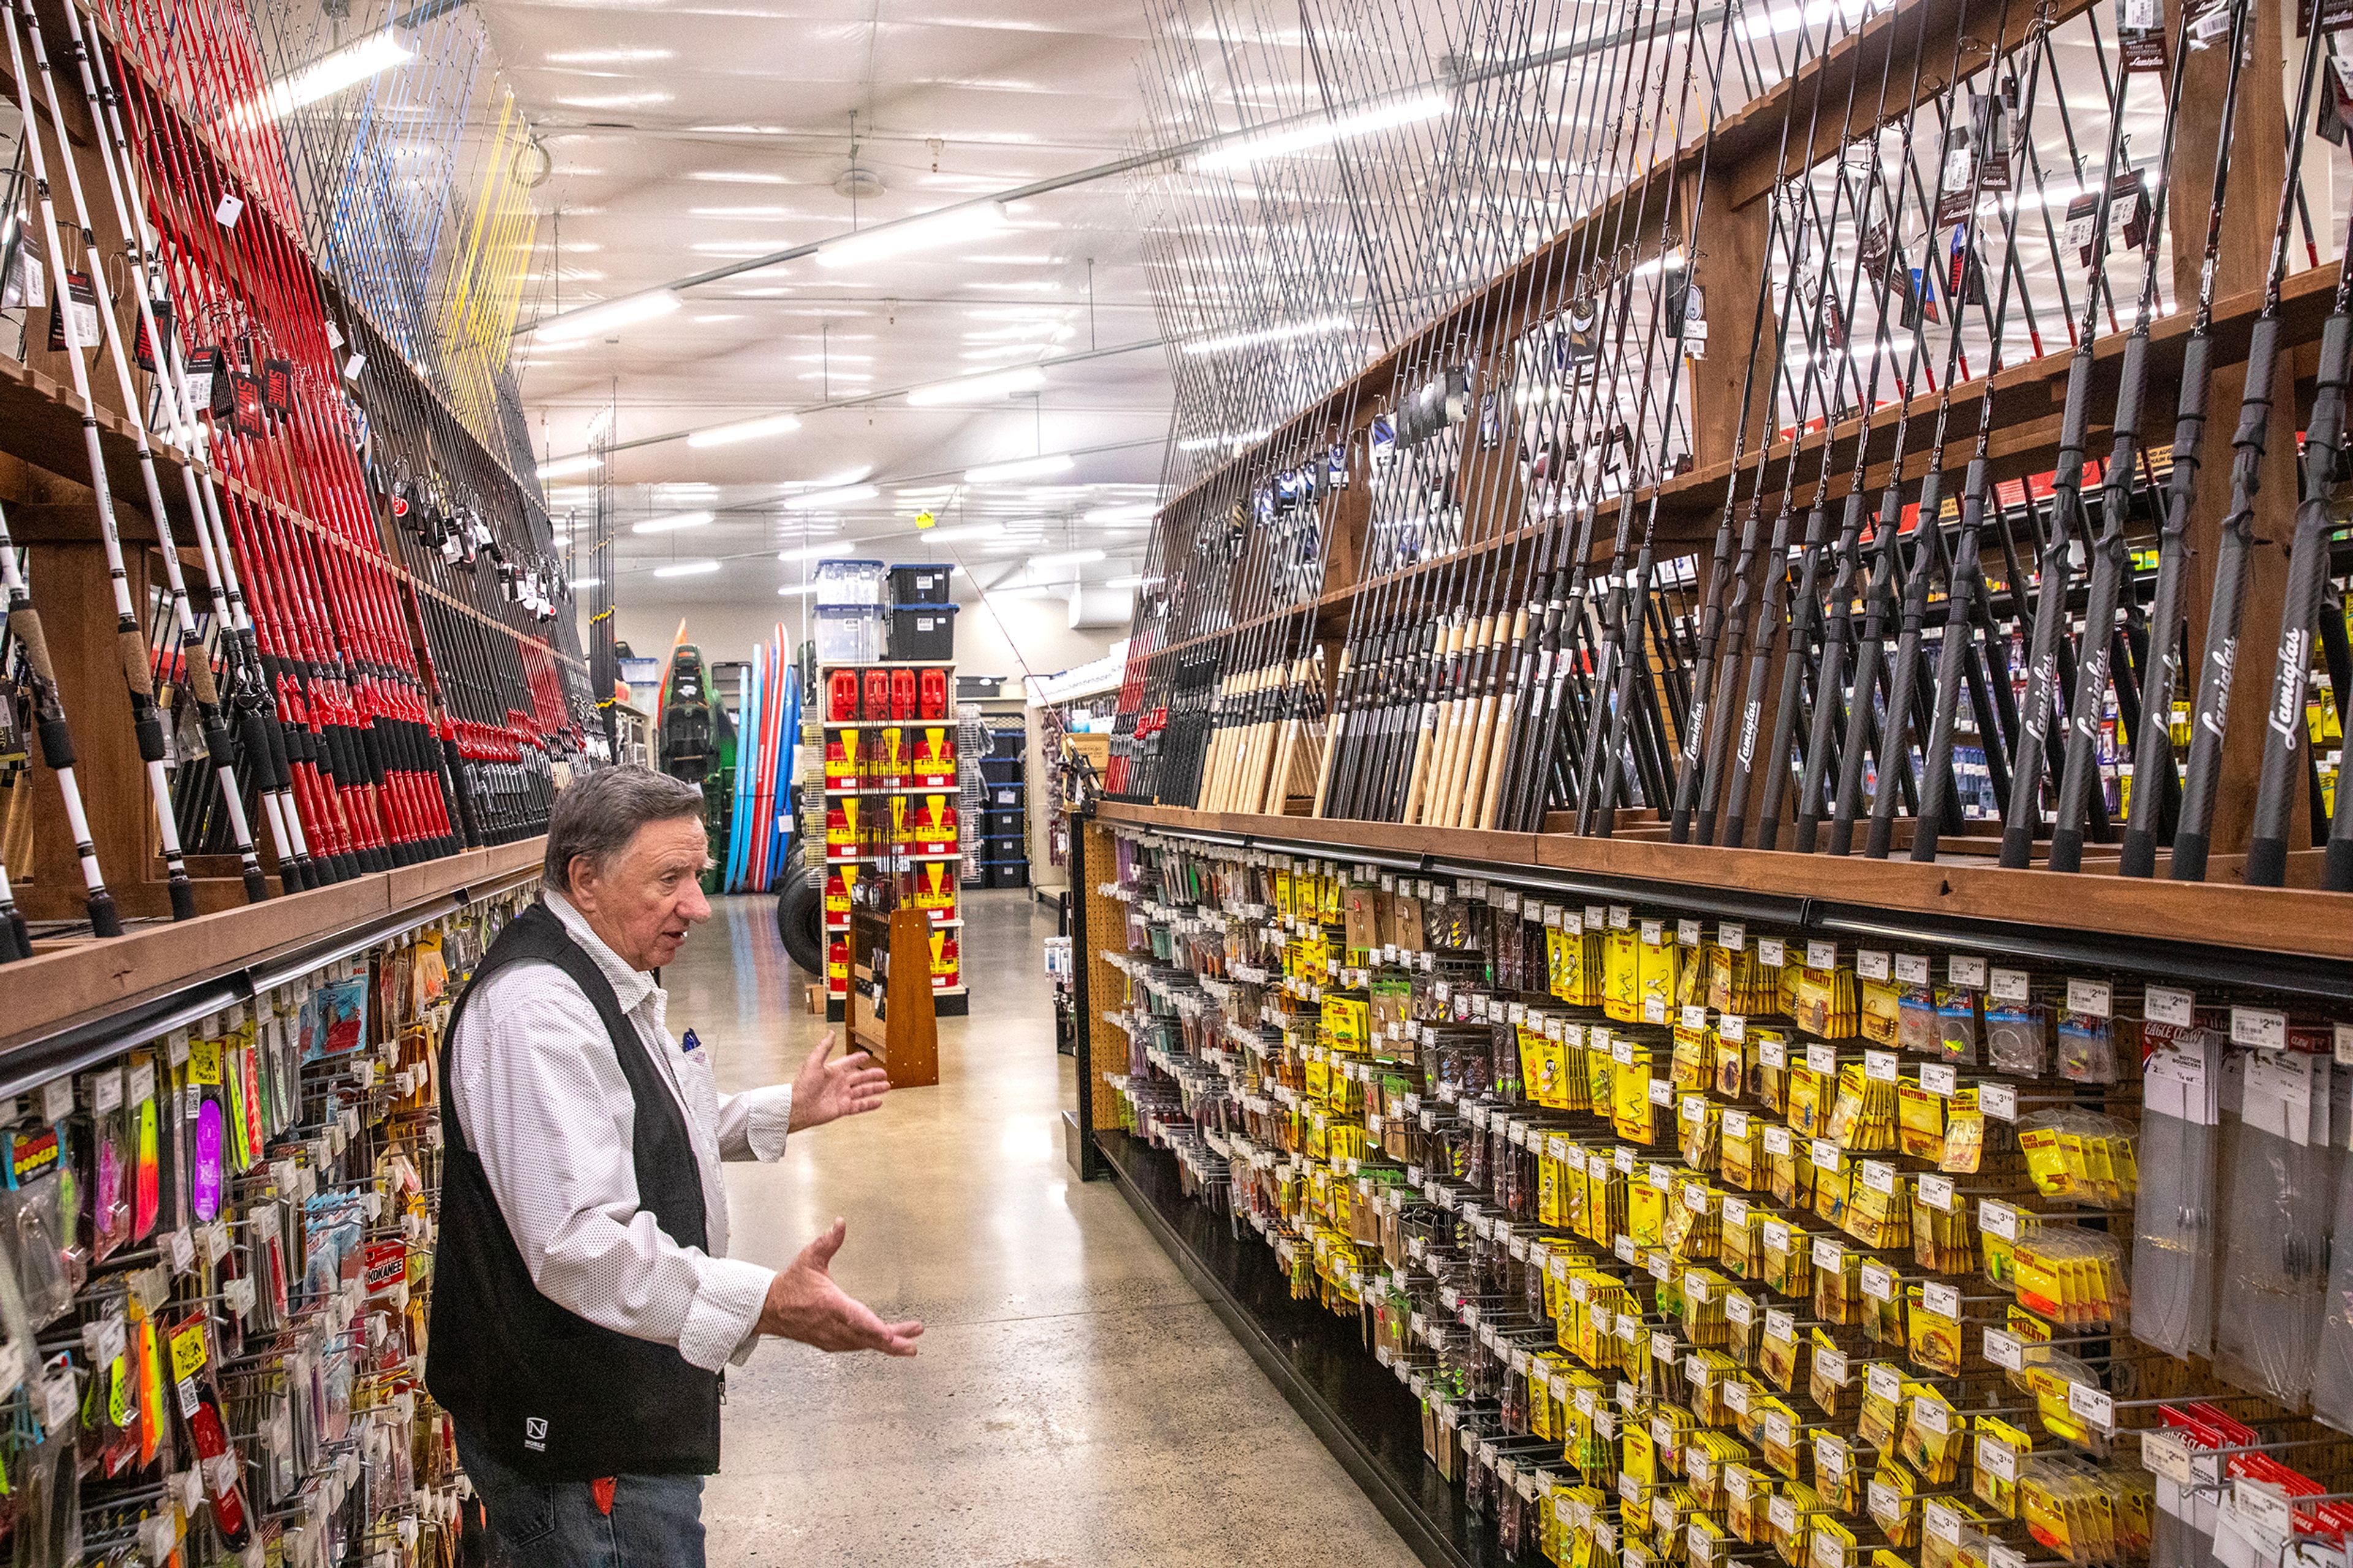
column 689, row 1044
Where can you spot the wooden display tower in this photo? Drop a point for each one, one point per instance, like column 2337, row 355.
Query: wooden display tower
column 891, row 1013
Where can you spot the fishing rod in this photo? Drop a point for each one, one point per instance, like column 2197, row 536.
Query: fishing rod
column 78, row 316
column 2111, row 561
column 195, row 664
column 1599, row 814
column 2066, row 524
column 1727, row 573
column 1576, row 711
column 1986, row 143
column 1957, row 656
column 2210, row 715
column 1781, row 612
column 2284, row 730
column 1829, row 676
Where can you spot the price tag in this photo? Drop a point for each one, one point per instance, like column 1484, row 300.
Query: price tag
column 1736, row 1399
column 2010, row 985
column 1998, row 1219
column 1880, row 1067
column 1998, row 1100
column 1595, row 917
column 1736, row 1127
column 2166, row 1454
column 2166, row 1004
column 2259, row 1028
column 1996, row 1459
column 1878, row 1282
column 1936, row 1191
column 2093, row 998
column 1776, row 1236
column 1774, row 1054
column 1822, row 954
column 1824, row 1154
column 1871, row 965
column 1694, row 1017
column 1740, row 1311
column 1772, row 952
column 57, row 1099
column 1688, row 933
column 1943, row 1520
column 1822, row 1059
column 1620, row 916
column 1655, row 932
column 2096, row 1406
column 1969, row 973
column 1912, row 968
column 1938, row 1077
column 1782, row 1512
column 1733, row 935
column 1735, row 1211
column 1884, row 1382
column 1663, row 1092
column 2005, row 1349
column 2265, row 1504
column 1829, row 1253
column 1944, row 1300
column 1879, row 1176
column 1777, row 1142
column 1733, row 1028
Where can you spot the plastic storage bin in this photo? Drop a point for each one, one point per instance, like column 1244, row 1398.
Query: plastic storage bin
column 996, row 771
column 850, row 583
column 923, row 631
column 926, row 584
column 1001, row 824
column 1007, row 742
column 1002, row 796
column 848, row 634
column 1005, row 873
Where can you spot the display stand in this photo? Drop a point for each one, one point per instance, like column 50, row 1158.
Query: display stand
column 891, row 817
column 891, row 1013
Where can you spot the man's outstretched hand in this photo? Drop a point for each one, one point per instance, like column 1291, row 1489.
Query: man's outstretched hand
column 827, row 1090
column 805, row 1304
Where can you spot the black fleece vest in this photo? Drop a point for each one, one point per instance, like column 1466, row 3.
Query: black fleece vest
column 550, row 1393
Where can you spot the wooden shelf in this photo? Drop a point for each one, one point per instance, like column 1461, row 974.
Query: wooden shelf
column 2288, row 922
column 76, row 981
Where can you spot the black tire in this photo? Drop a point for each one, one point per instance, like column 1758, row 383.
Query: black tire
column 800, row 918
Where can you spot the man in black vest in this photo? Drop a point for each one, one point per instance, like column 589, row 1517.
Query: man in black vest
column 584, row 1305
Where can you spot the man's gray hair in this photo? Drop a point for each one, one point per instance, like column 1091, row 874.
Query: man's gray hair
column 599, row 815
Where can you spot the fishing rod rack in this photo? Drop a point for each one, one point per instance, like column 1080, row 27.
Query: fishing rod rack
column 1394, row 616
column 353, row 544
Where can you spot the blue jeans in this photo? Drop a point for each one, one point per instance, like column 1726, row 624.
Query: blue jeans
column 656, row 1520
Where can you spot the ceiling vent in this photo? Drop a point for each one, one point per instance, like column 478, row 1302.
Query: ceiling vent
column 857, row 184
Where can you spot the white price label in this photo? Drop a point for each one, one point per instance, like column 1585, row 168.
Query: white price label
column 1938, row 1077
column 1688, row 933
column 1880, row 1067
column 1912, row 968
column 1822, row 954
column 1936, row 1191
column 1870, row 965
column 2093, row 998
column 2010, row 985
column 2005, row 1349
column 1998, row 1100
column 2259, row 1028
column 1966, row 973
column 1772, row 952
column 2166, row 1004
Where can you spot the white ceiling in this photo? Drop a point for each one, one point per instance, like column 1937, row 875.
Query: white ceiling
column 688, row 133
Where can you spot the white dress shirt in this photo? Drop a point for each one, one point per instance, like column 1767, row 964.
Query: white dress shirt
column 542, row 1103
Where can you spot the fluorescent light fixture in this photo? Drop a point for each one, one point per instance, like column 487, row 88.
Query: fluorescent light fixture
column 346, row 66
column 687, row 569
column 744, row 430
column 1020, row 468
column 1067, row 558
column 797, row 590
column 595, row 319
column 675, row 522
column 1119, row 516
column 945, row 228
column 817, row 551
column 564, row 467
column 1263, row 335
column 845, row 496
column 1123, row 584
column 586, row 582
column 1426, row 106
column 978, row 388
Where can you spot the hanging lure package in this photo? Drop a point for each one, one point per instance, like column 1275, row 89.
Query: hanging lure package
column 2173, row 1216
column 2274, row 1213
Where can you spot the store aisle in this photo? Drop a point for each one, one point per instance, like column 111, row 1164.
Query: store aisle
column 1076, row 1403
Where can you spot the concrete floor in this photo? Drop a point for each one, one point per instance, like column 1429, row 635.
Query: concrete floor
column 1076, row 1404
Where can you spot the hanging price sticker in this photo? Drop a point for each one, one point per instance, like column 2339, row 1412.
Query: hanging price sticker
column 1688, row 933
column 1870, row 964
column 2005, row 1349
column 1772, row 952
column 1998, row 1100
column 1938, row 1077
column 1822, row 955
column 2165, row 1005
column 1997, row 1219
column 2096, row 1406
column 1732, row 935
column 2091, row 998
column 1655, row 932
column 1936, row 1191
column 2259, row 1028
column 2010, row 985
column 1969, row 972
